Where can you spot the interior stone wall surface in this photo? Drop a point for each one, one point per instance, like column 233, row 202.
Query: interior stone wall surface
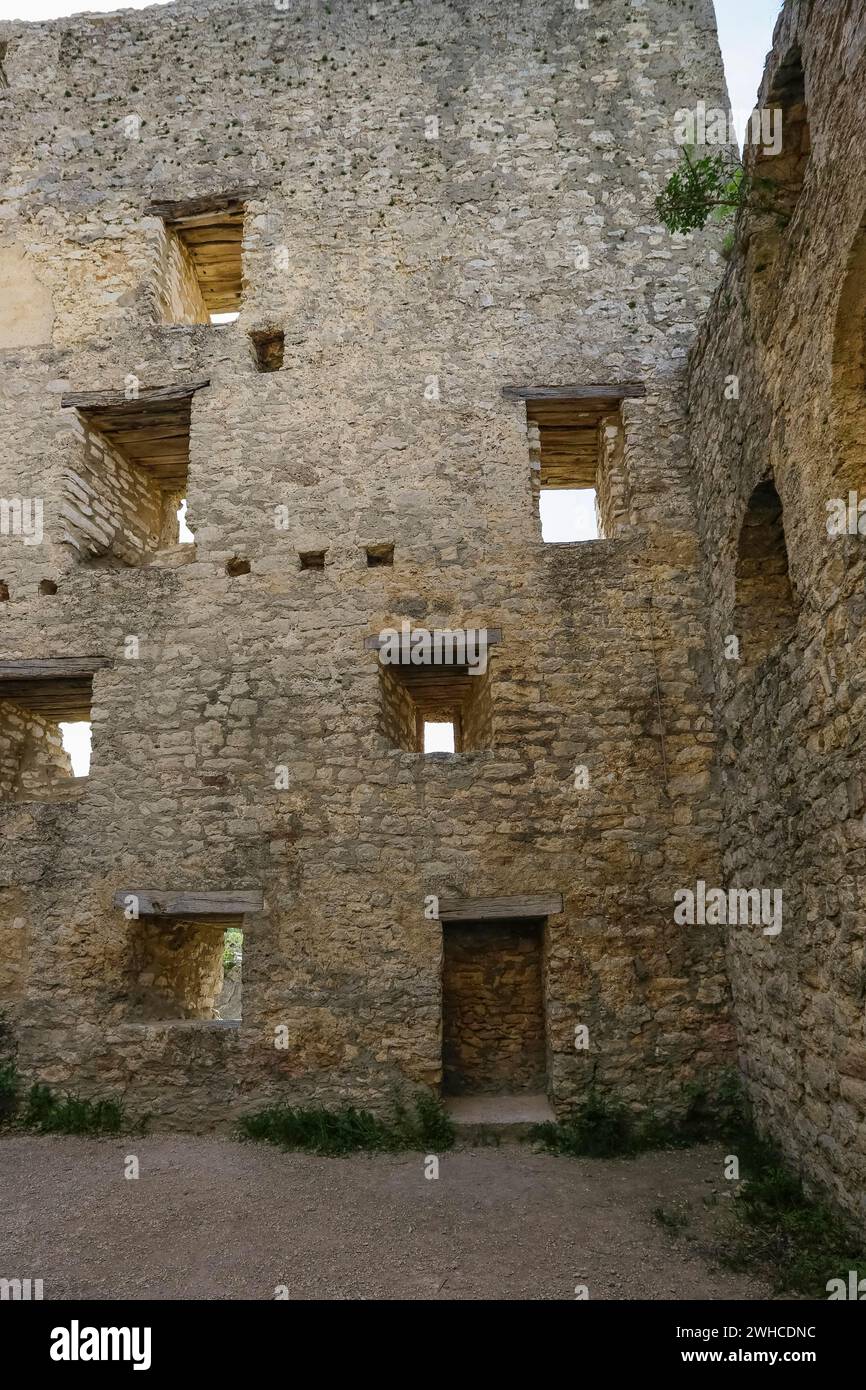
column 441, row 200
column 493, row 1008
column 33, row 763
column 176, row 967
column 111, row 507
column 179, row 293
column 791, row 328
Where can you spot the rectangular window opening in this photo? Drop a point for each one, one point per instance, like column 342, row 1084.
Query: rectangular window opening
column 125, row 497
column 200, row 276
column 439, row 736
column 184, row 535
column 444, row 706
column 45, row 728
column 576, row 448
column 77, row 738
column 568, row 514
column 186, row 967
column 228, row 1002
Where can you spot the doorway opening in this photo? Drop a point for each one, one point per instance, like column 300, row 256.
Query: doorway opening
column 493, row 1023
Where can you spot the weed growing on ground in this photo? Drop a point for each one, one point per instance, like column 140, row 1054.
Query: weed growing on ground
column 798, row 1241
column 69, row 1114
column 9, row 1088
column 334, row 1132
column 774, row 1228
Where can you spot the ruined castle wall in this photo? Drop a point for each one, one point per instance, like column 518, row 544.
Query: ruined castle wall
column 392, row 251
column 791, row 727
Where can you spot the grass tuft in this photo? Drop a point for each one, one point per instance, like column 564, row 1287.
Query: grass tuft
column 797, row 1241
column 602, row 1127
column 68, row 1114
column 334, row 1132
column 9, row 1088
column 772, row 1228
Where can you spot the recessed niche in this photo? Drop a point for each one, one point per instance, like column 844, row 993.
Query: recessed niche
column 268, row 349
column 47, row 586
column 765, row 607
column 380, row 554
column 237, row 566
column 493, row 1019
column 312, row 559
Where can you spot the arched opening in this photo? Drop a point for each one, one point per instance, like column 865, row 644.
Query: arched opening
column 765, row 610
column 849, row 370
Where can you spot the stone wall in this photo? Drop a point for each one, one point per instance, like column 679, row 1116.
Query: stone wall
column 790, row 710
column 446, row 200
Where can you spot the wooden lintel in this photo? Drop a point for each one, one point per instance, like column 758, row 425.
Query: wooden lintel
column 493, row 636
column 494, row 909
column 178, row 209
column 54, row 668
column 100, row 400
column 604, row 392
column 155, row 902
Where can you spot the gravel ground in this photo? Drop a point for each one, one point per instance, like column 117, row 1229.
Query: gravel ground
column 212, row 1218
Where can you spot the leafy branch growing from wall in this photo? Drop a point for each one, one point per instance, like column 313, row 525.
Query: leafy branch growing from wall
column 712, row 187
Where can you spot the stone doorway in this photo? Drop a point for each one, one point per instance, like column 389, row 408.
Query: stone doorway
column 493, row 1033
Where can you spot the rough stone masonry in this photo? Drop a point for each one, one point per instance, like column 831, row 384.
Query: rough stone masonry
column 436, row 224
column 771, row 469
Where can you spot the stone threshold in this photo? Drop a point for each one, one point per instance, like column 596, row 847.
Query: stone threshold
column 505, row 1110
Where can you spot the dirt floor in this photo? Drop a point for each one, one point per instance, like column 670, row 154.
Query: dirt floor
column 216, row 1219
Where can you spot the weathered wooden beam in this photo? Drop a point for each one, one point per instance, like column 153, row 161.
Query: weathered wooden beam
column 52, row 668
column 176, row 209
column 493, row 636
column 155, row 902
column 604, row 392
column 100, row 400
column 494, row 909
